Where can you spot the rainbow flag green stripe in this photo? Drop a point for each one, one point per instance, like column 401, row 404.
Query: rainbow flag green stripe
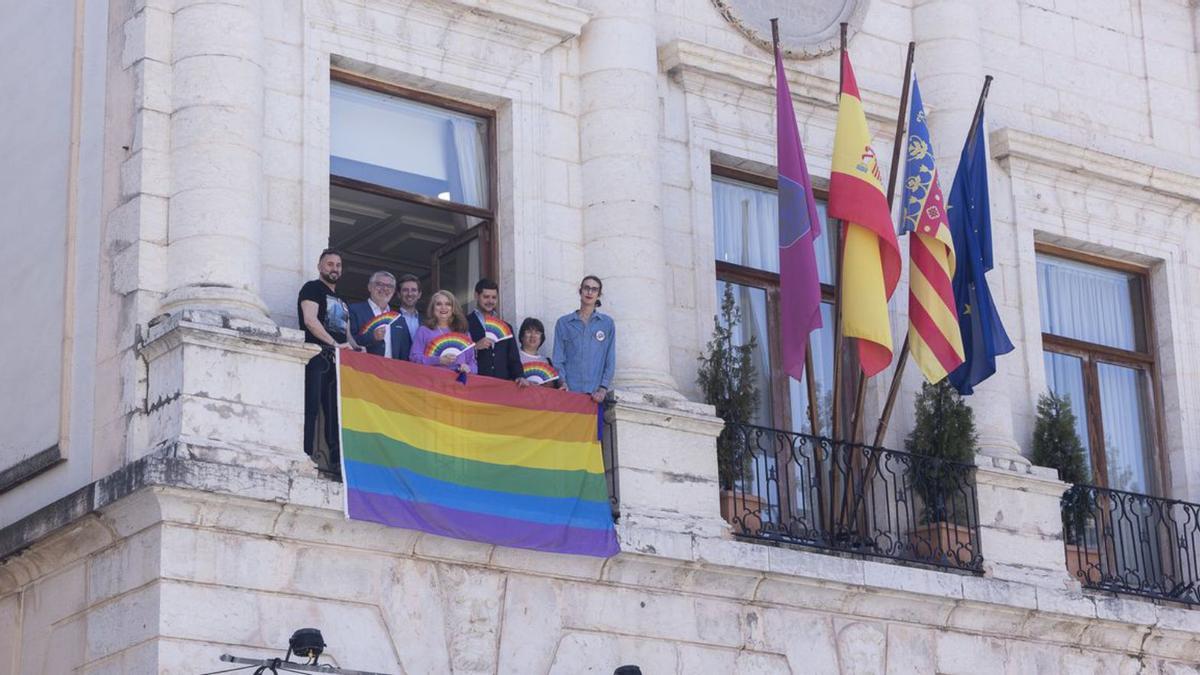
column 461, row 470
column 383, row 453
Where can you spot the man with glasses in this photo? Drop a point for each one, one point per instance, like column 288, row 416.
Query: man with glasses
column 585, row 350
column 379, row 340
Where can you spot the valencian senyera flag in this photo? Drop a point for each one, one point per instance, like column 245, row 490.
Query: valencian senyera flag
column 934, row 339
column 871, row 256
column 482, row 461
column 799, row 225
column 971, row 227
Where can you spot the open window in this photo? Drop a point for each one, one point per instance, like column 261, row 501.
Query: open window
column 412, row 186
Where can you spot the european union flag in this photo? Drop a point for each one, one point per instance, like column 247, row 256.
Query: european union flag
column 971, row 226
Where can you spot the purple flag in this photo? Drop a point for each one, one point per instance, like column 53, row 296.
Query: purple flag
column 799, row 225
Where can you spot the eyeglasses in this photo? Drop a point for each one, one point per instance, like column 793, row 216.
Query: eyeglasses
column 381, row 284
column 590, row 289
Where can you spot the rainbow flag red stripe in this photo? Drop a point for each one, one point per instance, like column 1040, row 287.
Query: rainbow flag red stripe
column 455, row 343
column 497, row 329
column 477, row 461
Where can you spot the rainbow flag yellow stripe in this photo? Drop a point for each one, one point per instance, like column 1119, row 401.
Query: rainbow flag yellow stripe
column 482, row 461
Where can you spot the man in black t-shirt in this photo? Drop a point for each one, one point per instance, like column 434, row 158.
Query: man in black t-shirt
column 324, row 318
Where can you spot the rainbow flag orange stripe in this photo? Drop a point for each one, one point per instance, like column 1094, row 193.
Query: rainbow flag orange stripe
column 478, row 461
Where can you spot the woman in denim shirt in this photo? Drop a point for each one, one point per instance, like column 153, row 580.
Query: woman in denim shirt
column 585, row 344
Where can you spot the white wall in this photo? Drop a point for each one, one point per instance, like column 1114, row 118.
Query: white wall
column 52, row 139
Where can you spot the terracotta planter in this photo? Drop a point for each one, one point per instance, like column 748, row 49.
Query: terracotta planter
column 1082, row 562
column 938, row 540
column 742, row 510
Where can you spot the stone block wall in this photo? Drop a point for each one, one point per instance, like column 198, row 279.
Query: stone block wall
column 172, row 575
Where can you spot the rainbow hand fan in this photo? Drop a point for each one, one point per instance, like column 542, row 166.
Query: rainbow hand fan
column 540, row 372
column 384, row 319
column 450, row 343
column 496, row 329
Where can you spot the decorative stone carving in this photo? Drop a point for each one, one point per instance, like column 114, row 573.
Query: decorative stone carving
column 807, row 28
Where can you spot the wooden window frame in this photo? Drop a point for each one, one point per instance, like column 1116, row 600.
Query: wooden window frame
column 1091, row 354
column 781, row 408
column 488, row 255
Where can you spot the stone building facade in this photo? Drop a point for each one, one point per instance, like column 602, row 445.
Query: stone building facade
column 176, row 166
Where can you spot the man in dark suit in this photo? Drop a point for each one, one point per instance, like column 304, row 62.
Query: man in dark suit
column 410, row 318
column 381, row 340
column 495, row 359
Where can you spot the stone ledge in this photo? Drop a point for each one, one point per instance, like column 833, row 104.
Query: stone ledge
column 1096, row 164
column 683, row 57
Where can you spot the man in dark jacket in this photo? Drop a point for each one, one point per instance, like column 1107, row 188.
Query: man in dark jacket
column 496, row 358
column 381, row 338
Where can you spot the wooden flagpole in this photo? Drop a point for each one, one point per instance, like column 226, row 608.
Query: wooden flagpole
column 838, row 339
column 894, row 390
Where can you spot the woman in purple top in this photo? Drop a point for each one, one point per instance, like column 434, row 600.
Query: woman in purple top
column 443, row 316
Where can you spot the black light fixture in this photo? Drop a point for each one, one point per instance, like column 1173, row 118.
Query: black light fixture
column 307, row 643
column 627, row 670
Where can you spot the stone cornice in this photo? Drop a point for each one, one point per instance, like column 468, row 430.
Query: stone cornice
column 557, row 21
column 230, row 334
column 684, row 58
column 1091, row 164
column 534, row 24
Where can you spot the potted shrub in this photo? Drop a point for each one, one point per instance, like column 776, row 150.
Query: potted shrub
column 1056, row 444
column 944, row 433
column 728, row 378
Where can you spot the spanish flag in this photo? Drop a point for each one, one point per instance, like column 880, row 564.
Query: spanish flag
column 871, row 257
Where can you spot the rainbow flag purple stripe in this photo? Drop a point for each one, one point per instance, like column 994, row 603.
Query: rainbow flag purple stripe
column 479, row 461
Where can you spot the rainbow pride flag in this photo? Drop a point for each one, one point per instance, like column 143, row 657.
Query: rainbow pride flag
column 496, row 329
column 384, row 319
column 481, row 461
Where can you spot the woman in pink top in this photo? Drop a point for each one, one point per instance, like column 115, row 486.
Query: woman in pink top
column 442, row 316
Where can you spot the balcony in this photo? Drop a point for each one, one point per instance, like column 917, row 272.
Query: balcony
column 1132, row 543
column 793, row 488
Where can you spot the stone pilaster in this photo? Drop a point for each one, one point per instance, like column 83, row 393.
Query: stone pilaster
column 225, row 390
column 667, row 467
column 216, row 159
column 949, row 66
column 622, row 212
column 1020, row 524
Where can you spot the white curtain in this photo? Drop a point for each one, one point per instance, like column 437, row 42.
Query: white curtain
column 468, row 150
column 1126, row 427
column 1087, row 303
column 746, row 220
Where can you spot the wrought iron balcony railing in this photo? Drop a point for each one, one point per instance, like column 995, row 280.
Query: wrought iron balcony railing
column 799, row 489
column 1132, row 543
